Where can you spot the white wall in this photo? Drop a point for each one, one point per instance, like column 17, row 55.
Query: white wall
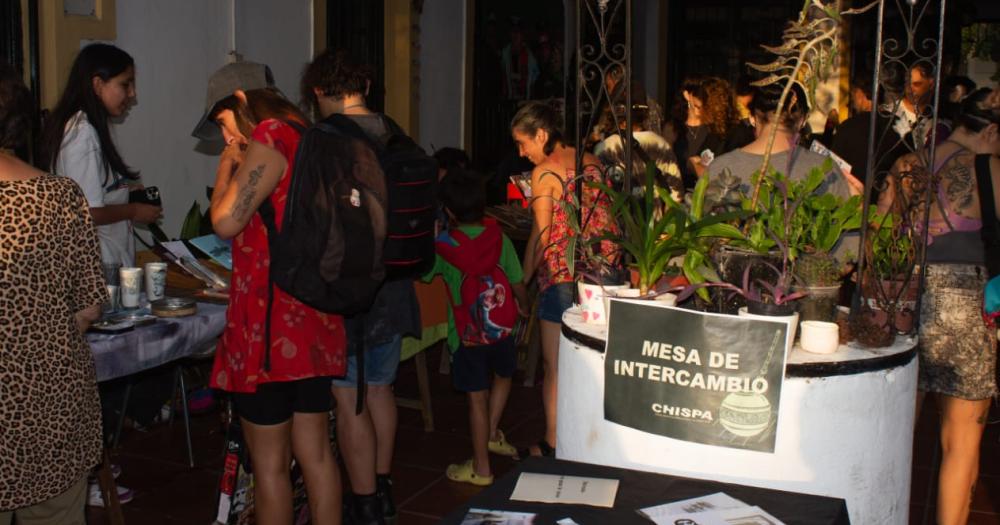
column 279, row 34
column 442, row 74
column 177, row 45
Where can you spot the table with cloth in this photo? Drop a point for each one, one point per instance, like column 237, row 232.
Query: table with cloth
column 645, row 489
column 166, row 340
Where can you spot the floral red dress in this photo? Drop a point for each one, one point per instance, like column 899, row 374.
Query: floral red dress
column 304, row 342
column 595, row 212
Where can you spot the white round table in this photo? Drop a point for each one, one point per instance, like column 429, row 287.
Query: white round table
column 845, row 426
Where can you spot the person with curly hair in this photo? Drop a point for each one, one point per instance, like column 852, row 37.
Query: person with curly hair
column 706, row 124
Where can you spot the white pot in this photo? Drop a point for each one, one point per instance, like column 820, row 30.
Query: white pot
column 820, row 337
column 593, row 301
column 623, row 292
column 792, row 320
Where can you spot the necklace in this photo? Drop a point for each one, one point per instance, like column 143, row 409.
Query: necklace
column 358, row 105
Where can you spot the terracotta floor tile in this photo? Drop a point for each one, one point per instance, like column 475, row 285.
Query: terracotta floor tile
column 987, row 496
column 441, row 497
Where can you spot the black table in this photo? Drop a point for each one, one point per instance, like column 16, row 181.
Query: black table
column 645, row 489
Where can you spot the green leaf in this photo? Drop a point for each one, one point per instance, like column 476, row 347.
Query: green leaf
column 191, row 227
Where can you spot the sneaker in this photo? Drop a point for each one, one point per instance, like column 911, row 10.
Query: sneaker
column 465, row 473
column 501, row 447
column 94, row 498
column 383, row 491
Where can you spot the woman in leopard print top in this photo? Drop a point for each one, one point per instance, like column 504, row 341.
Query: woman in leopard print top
column 51, row 288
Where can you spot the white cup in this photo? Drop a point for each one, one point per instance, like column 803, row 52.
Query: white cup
column 131, row 286
column 820, row 337
column 156, row 280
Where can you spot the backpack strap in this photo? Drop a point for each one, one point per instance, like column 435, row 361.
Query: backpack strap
column 267, row 215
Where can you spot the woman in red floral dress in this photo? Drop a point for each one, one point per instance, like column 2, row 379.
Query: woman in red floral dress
column 536, row 130
column 281, row 387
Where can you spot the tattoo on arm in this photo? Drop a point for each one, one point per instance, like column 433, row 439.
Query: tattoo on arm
column 244, row 201
column 961, row 187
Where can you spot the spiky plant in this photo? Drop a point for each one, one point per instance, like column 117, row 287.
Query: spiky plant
column 805, row 58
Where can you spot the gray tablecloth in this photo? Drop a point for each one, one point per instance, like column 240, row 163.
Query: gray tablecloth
column 150, row 346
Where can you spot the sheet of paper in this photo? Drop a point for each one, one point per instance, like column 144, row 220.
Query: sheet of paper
column 711, row 502
column 220, row 251
column 738, row 516
column 178, row 249
column 497, row 517
column 550, row 488
column 819, row 147
column 567, row 521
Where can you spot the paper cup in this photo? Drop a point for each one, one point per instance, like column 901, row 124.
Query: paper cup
column 156, row 280
column 131, row 286
column 820, row 337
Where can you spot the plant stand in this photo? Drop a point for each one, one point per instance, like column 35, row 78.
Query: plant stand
column 845, row 426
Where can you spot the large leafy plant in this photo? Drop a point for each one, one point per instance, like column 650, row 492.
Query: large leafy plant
column 655, row 229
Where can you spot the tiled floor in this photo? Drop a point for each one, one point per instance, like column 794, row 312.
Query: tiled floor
column 168, row 492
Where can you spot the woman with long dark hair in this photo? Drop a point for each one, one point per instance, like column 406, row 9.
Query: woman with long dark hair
column 958, row 351
column 77, row 144
column 280, row 383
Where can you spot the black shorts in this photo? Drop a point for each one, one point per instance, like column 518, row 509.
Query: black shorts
column 471, row 366
column 274, row 403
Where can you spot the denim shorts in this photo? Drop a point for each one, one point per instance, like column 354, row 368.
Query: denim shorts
column 473, row 367
column 555, row 300
column 381, row 363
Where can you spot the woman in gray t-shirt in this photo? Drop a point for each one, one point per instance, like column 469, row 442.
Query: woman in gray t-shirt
column 786, row 157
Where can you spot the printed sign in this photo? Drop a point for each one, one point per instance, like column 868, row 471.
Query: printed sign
column 700, row 377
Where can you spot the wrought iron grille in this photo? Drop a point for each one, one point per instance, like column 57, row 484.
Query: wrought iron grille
column 891, row 261
column 603, row 53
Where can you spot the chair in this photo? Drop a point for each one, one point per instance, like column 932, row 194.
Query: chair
column 423, row 403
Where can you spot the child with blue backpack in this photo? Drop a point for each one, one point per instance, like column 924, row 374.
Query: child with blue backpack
column 484, row 277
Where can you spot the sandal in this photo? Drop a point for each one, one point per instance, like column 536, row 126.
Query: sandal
column 544, row 448
column 465, row 473
column 501, row 447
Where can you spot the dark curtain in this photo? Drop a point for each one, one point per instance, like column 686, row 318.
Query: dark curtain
column 359, row 27
column 11, row 48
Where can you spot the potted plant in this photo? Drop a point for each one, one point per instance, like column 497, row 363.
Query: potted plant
column 655, row 229
column 889, row 283
column 825, row 218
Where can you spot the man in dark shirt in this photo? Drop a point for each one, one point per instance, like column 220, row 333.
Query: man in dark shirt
column 850, row 139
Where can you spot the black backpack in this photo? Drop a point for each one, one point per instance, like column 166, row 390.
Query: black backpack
column 328, row 251
column 411, row 180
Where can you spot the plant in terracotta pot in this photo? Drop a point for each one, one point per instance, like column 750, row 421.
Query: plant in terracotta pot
column 889, row 283
column 655, row 229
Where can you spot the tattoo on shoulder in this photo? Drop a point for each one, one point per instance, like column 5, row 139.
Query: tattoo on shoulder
column 244, row 201
column 960, row 187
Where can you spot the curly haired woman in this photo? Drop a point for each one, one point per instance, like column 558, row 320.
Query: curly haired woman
column 707, row 124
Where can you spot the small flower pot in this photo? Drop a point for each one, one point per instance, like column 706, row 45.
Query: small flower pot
column 819, row 337
column 792, row 319
column 622, row 293
column 592, row 301
column 820, row 303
